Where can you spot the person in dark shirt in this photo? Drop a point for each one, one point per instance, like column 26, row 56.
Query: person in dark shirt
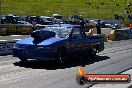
column 98, row 27
column 33, row 25
column 82, row 23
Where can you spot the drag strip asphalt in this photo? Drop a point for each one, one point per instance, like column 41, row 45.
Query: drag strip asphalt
column 115, row 59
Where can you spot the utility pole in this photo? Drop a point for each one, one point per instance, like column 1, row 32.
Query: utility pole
column 0, row 11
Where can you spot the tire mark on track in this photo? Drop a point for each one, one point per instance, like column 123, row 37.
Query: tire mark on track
column 108, row 62
column 117, row 49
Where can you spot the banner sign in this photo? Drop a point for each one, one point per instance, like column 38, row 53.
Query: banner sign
column 9, row 46
column 2, row 46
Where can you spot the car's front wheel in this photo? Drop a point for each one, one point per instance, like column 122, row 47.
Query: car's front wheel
column 61, row 56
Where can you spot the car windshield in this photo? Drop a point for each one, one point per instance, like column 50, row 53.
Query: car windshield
column 46, row 19
column 50, row 19
column 58, row 17
column 60, row 32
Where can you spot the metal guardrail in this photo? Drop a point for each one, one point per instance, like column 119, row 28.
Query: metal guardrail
column 8, row 29
column 120, row 34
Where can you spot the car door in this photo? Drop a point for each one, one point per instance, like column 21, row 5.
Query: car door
column 75, row 43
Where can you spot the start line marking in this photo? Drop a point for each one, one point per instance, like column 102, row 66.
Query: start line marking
column 15, row 35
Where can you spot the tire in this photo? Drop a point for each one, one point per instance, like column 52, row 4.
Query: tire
column 93, row 54
column 90, row 55
column 61, row 56
column 23, row 59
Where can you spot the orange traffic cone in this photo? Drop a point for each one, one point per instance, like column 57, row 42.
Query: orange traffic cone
column 108, row 37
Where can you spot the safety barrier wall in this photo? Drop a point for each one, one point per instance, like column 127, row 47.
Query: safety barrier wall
column 8, row 29
column 116, row 34
column 6, row 46
column 120, row 34
column 13, row 29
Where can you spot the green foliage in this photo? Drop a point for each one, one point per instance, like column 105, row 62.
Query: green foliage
column 87, row 8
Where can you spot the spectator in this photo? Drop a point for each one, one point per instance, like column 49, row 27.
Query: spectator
column 82, row 23
column 34, row 25
column 90, row 32
column 131, row 26
column 130, row 30
column 98, row 27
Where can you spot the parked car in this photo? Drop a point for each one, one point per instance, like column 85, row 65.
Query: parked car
column 58, row 18
column 75, row 19
column 3, row 19
column 44, row 20
column 23, row 22
column 119, row 26
column 116, row 26
column 58, row 42
column 103, row 24
column 11, row 19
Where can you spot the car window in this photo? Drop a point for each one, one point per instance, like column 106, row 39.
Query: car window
column 60, row 32
column 58, row 17
column 76, row 34
column 50, row 19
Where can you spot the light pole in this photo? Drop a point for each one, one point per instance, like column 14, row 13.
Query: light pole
column 0, row 10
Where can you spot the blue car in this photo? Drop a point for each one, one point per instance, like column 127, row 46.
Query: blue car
column 57, row 42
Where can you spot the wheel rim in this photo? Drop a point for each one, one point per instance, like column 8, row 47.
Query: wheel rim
column 94, row 51
column 61, row 57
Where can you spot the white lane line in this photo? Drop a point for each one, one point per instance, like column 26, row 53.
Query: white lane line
column 3, row 40
column 15, row 35
column 16, row 39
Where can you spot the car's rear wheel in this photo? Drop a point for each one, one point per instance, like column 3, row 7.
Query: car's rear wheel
column 93, row 54
column 61, row 56
column 90, row 55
